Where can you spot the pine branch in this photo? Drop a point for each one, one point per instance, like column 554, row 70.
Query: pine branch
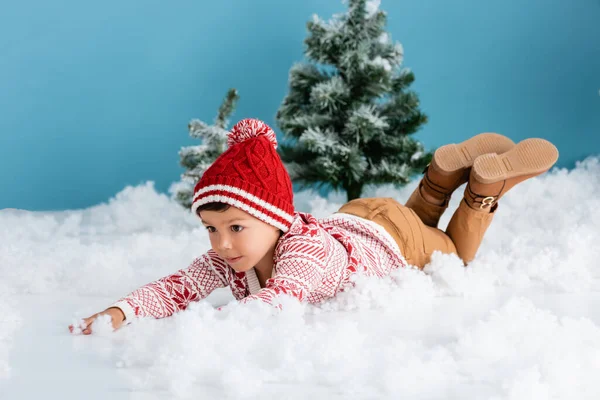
column 325, row 42
column 318, row 172
column 402, row 81
column 322, row 142
column 227, row 108
column 330, row 96
column 291, row 153
column 197, row 159
column 297, row 125
column 365, row 123
column 388, row 171
column 303, row 77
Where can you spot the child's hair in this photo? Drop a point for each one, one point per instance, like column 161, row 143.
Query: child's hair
column 219, row 207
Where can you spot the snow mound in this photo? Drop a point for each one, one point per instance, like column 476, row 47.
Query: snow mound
column 522, row 321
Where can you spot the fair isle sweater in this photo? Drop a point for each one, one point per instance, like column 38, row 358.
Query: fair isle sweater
column 313, row 261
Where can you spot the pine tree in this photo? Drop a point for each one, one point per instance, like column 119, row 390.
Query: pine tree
column 197, row 159
column 349, row 115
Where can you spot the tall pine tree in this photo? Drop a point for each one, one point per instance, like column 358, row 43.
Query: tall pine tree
column 349, row 114
column 197, row 159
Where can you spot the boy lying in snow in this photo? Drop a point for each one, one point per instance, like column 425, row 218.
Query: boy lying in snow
column 262, row 248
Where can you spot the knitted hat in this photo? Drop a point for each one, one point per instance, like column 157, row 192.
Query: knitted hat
column 249, row 175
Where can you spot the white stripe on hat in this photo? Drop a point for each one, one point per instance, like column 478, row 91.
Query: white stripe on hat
column 243, row 206
column 248, row 196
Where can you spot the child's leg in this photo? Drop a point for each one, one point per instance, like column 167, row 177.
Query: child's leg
column 448, row 170
column 491, row 177
column 416, row 240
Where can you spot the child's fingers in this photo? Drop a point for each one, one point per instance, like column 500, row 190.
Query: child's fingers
column 83, row 326
column 86, row 327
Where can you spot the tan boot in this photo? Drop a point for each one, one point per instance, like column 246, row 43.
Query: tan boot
column 450, row 168
column 493, row 175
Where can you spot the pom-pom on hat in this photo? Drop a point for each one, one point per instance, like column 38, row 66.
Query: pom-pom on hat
column 249, row 175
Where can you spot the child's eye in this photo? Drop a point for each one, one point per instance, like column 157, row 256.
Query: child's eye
column 237, row 228
column 211, row 229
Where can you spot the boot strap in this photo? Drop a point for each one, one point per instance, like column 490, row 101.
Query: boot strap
column 436, row 188
column 485, row 202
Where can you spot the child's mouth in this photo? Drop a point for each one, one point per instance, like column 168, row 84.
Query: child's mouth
column 233, row 260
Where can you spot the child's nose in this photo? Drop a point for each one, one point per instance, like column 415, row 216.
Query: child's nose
column 224, row 242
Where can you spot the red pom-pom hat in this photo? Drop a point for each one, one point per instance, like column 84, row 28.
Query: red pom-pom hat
column 250, row 175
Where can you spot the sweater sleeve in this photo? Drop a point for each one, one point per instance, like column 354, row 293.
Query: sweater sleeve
column 173, row 293
column 299, row 266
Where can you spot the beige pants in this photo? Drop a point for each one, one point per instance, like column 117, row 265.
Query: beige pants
column 418, row 241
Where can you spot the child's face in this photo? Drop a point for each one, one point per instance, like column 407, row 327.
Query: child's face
column 239, row 238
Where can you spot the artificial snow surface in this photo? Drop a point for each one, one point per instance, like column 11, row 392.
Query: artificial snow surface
column 521, row 322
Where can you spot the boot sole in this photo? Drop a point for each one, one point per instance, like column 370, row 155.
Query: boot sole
column 453, row 157
column 530, row 157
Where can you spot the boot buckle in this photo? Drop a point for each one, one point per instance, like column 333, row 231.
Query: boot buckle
column 487, row 202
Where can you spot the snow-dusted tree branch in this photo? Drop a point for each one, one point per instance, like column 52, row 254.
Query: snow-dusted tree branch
column 349, row 114
column 197, row 159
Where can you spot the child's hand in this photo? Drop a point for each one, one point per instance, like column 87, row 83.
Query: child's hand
column 116, row 315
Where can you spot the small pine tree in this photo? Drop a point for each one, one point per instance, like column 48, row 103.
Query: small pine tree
column 348, row 114
column 197, row 159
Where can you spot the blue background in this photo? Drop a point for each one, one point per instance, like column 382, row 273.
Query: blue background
column 97, row 95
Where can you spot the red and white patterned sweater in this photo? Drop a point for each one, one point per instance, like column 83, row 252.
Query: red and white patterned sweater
column 313, row 261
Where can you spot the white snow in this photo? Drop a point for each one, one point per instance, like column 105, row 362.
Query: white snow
column 382, row 62
column 521, row 322
column 9, row 322
column 384, row 38
column 371, row 7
